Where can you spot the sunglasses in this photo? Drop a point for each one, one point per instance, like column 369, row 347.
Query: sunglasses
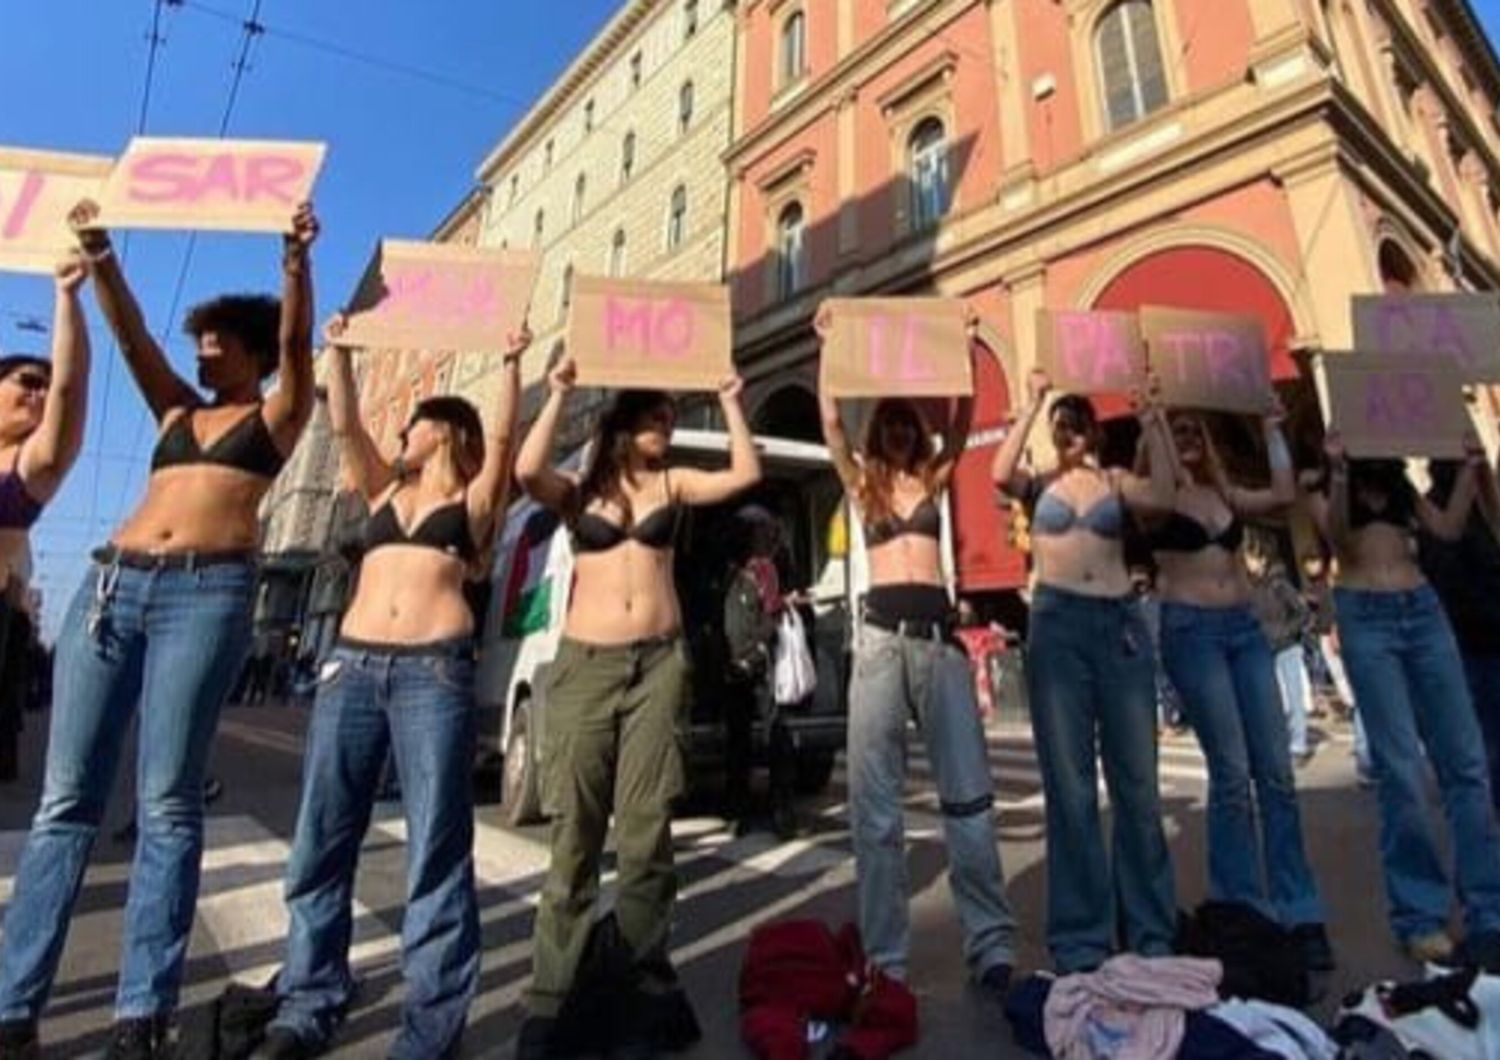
column 35, row 382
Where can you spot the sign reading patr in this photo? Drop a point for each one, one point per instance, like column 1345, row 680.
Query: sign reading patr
column 37, row 191
column 215, row 185
column 1217, row 361
column 906, row 347
column 1394, row 405
column 1462, row 327
column 1091, row 351
column 440, row 296
column 636, row 333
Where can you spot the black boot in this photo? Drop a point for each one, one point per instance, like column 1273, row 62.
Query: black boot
column 18, row 1040
column 144, row 1038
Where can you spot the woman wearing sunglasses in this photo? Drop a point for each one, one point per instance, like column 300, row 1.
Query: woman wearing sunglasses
column 400, row 679
column 163, row 620
column 43, row 405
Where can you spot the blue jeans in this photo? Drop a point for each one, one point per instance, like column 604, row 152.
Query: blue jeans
column 899, row 679
column 1409, row 682
column 1093, row 694
column 419, row 703
column 1483, row 672
column 1222, row 665
column 172, row 641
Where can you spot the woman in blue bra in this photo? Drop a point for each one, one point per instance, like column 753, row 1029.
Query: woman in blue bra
column 43, row 406
column 1408, row 679
column 1092, row 683
column 1220, row 662
column 401, row 678
column 614, row 695
column 162, row 620
column 909, row 666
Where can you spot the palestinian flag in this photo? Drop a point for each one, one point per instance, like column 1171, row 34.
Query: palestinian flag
column 528, row 592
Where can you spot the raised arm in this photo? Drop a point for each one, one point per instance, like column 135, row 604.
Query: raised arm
column 369, row 473
column 1006, row 469
column 1157, row 493
column 289, row 408
column 489, row 490
column 699, row 488
column 49, row 453
column 163, row 389
column 1336, row 525
column 1283, row 489
column 956, row 434
column 835, row 437
column 1448, row 523
column 545, row 484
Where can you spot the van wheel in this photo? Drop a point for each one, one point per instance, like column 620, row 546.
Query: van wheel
column 520, row 798
column 814, row 771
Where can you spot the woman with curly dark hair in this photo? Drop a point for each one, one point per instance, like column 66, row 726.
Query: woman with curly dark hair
column 163, row 620
column 614, row 695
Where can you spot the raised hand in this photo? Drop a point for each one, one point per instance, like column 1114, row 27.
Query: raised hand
column 563, row 378
column 519, row 343
column 1038, row 386
column 1333, row 449
column 83, row 219
column 334, row 329
column 305, row 229
column 731, row 388
column 823, row 322
column 70, row 273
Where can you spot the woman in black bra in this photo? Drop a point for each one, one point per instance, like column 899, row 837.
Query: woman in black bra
column 1220, row 662
column 908, row 665
column 163, row 619
column 614, row 694
column 1408, row 679
column 401, row 679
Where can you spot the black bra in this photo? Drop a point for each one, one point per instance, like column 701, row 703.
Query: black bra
column 595, row 533
column 1183, row 533
column 925, row 520
column 446, row 530
column 247, row 446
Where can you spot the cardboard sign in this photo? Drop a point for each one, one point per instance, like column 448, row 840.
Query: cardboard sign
column 667, row 336
column 1465, row 327
column 1393, row 405
column 1086, row 352
column 1217, row 361
column 437, row 296
column 38, row 189
column 911, row 347
column 214, row 185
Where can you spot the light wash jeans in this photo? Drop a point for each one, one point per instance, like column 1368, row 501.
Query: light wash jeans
column 173, row 642
column 899, row 679
column 1295, row 694
column 1093, row 694
column 419, row 705
column 1221, row 663
column 1409, row 681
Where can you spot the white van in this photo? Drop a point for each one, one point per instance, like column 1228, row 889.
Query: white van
column 532, row 578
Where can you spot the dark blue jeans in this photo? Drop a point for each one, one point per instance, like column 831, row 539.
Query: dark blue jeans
column 1222, row 666
column 1484, row 685
column 1409, row 682
column 173, row 642
column 420, row 705
column 1093, row 694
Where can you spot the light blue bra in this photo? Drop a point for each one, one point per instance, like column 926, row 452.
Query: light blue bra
column 1054, row 516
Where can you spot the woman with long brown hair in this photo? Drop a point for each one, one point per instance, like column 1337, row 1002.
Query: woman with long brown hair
column 614, row 695
column 908, row 664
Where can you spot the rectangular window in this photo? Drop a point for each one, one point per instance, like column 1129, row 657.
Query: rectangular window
column 636, row 69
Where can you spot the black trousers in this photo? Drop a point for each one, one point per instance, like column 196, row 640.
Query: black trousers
column 747, row 699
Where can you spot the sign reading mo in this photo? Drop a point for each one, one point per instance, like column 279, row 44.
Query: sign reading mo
column 633, row 333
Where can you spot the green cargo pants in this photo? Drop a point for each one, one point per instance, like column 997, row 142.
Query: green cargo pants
column 610, row 744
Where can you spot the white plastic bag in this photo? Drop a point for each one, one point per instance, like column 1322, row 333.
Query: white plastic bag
column 795, row 677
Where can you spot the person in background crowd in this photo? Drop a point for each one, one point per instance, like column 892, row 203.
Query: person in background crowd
column 983, row 642
column 614, row 696
column 1321, row 574
column 1168, row 706
column 907, row 666
column 162, row 620
column 752, row 604
column 400, row 680
column 1466, row 575
column 1220, row 661
column 1093, row 682
column 1284, row 617
column 1408, row 678
column 43, row 406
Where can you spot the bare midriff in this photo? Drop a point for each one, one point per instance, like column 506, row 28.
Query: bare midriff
column 1080, row 561
column 408, row 594
column 1212, row 578
column 910, row 559
column 196, row 508
column 622, row 596
column 1378, row 558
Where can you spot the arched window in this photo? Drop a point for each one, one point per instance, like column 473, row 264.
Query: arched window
column 1130, row 65
column 538, row 229
column 677, row 218
column 627, row 157
column 580, row 196
column 685, row 107
column 1397, row 273
column 927, row 172
column 791, row 251
column 793, row 48
column 566, row 297
column 617, row 254
column 689, row 19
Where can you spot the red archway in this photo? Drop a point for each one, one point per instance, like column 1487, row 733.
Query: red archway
column 983, row 554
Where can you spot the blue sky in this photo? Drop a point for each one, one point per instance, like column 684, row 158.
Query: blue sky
column 403, row 149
